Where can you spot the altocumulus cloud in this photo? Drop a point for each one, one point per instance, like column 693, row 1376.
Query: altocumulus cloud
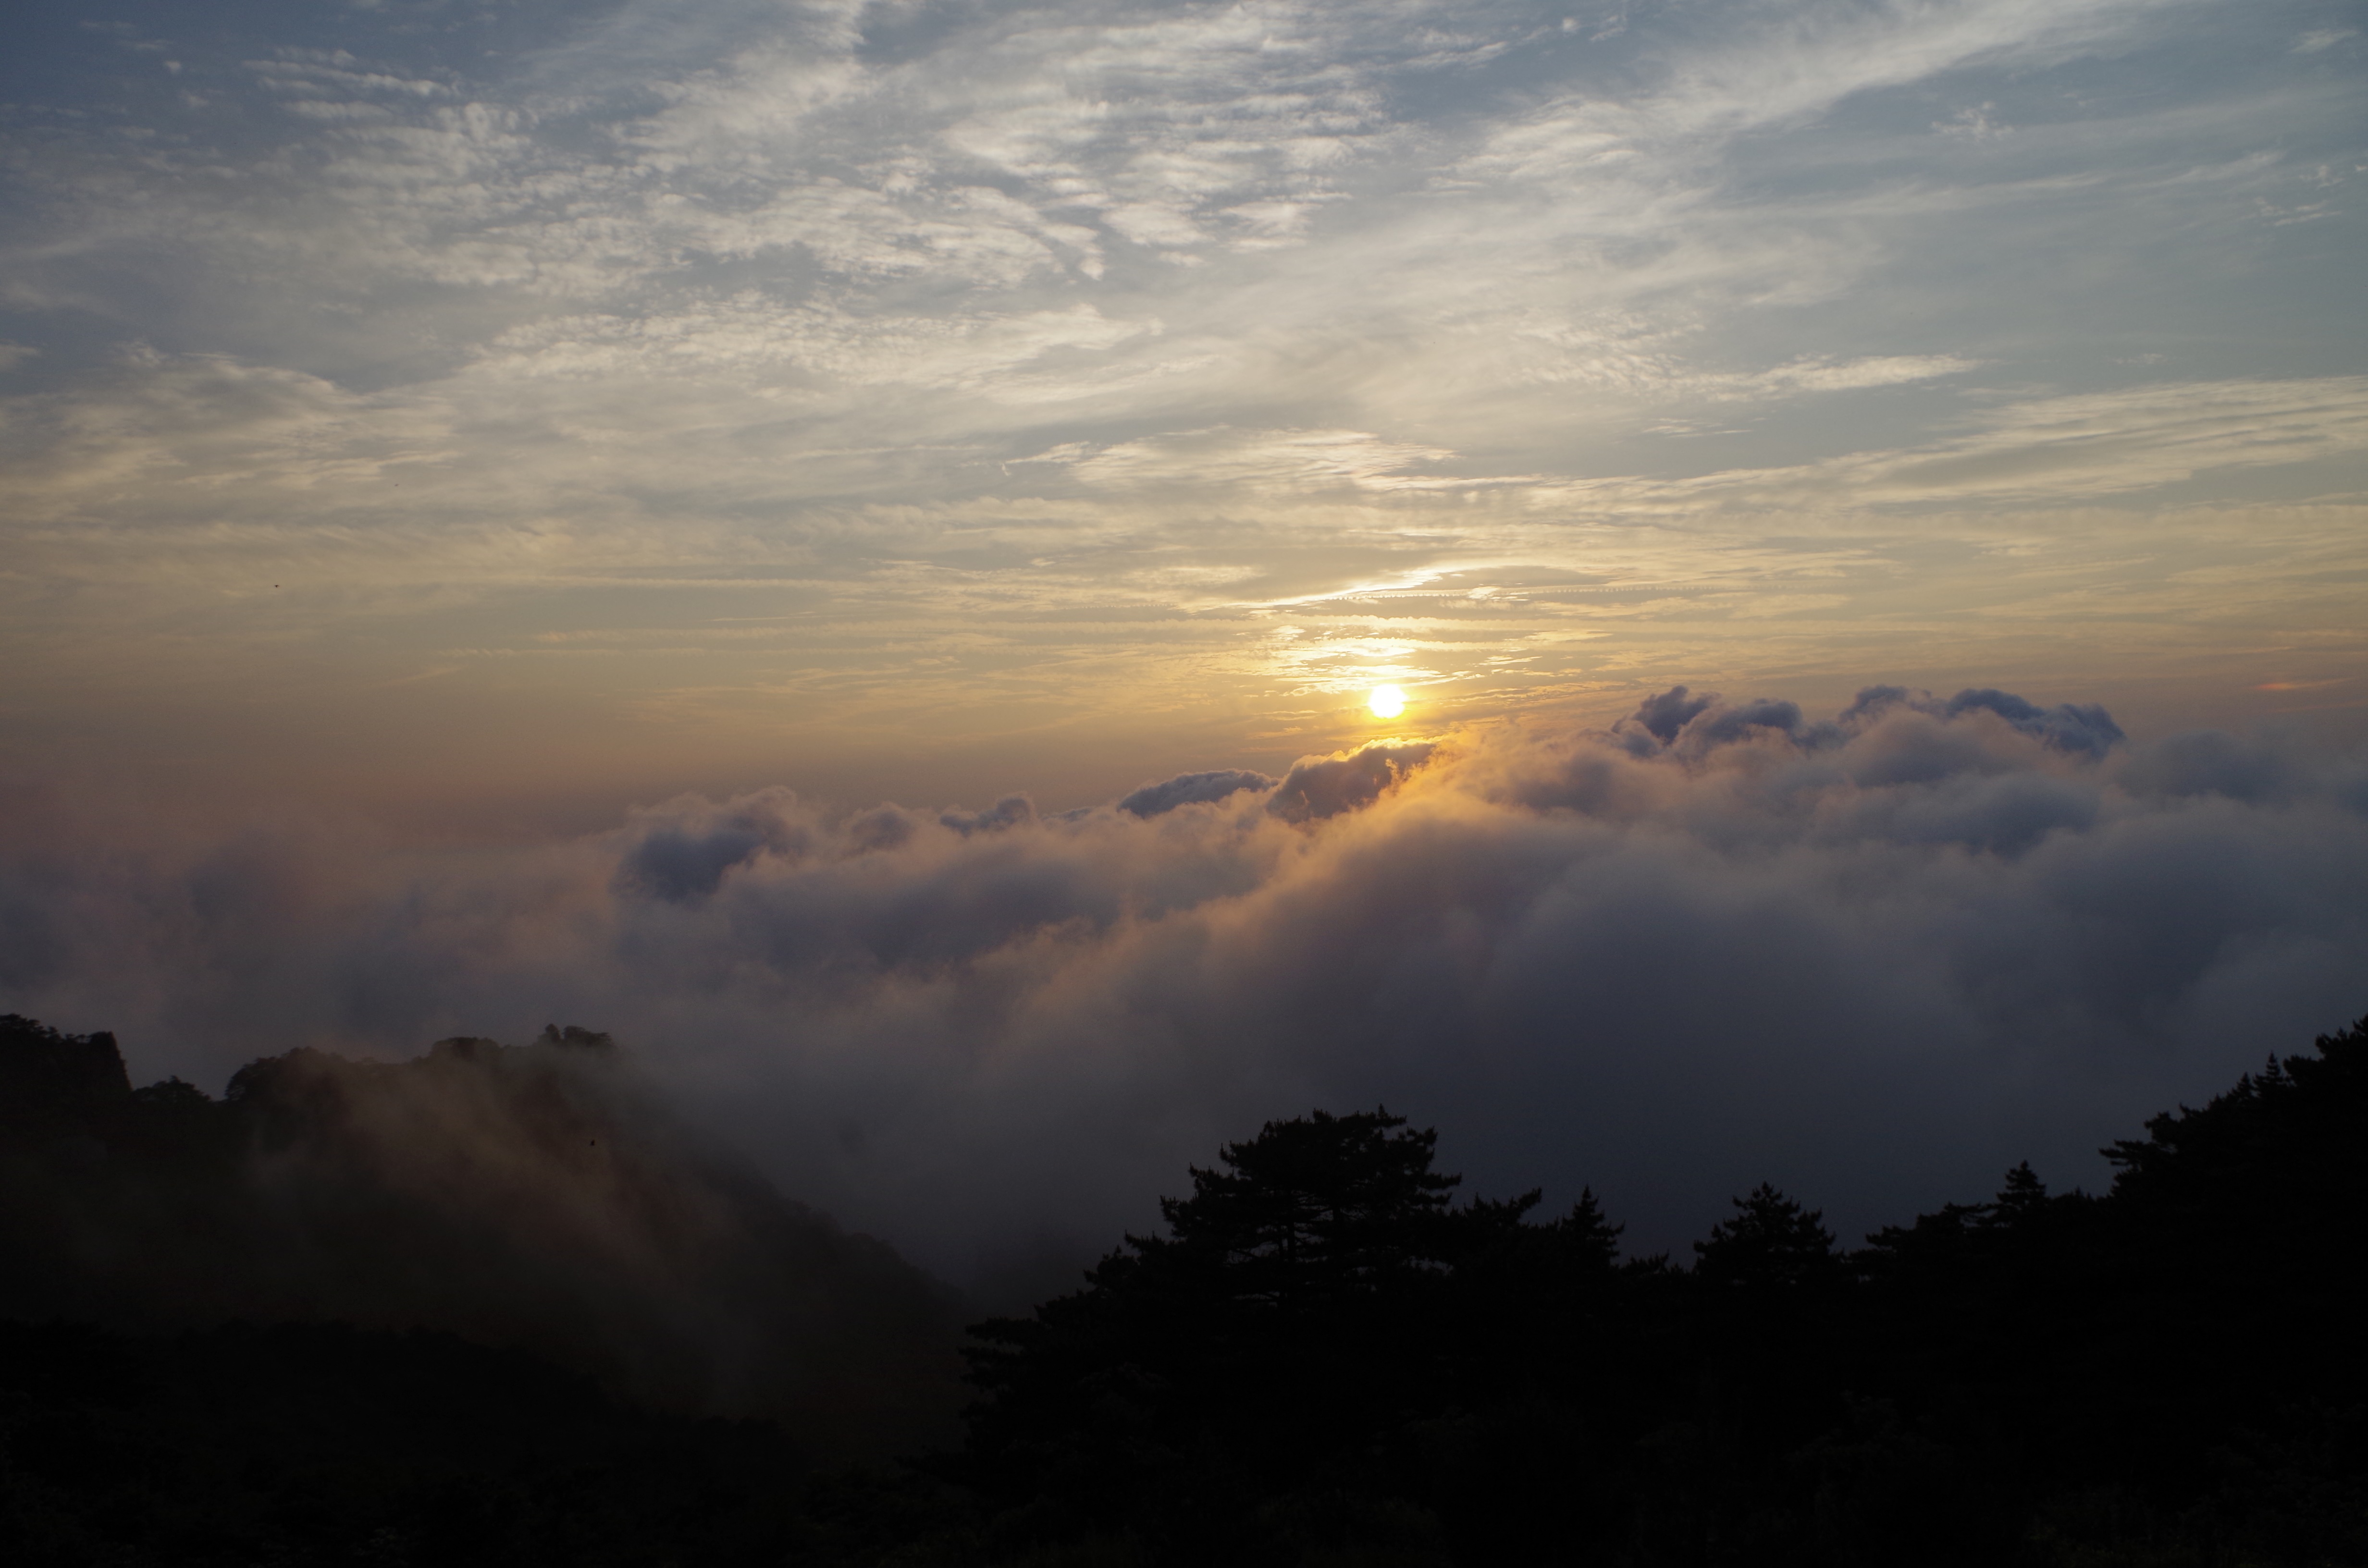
column 1874, row 957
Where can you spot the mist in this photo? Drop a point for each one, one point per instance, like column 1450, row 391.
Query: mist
column 538, row 1197
column 1876, row 957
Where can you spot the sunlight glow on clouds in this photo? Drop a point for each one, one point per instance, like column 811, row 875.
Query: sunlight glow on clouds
column 1877, row 954
column 856, row 543
column 853, row 367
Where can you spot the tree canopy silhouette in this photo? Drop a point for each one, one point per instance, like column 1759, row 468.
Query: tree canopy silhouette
column 1324, row 1360
column 1771, row 1243
column 1327, row 1357
column 1319, row 1206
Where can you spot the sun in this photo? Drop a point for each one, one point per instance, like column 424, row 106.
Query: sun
column 1388, row 702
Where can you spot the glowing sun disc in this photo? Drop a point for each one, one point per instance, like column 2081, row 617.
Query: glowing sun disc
column 1388, row 702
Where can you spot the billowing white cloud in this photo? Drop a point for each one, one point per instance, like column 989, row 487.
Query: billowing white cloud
column 700, row 392
column 1875, row 956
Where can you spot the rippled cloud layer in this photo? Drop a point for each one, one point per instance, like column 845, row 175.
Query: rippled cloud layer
column 672, row 385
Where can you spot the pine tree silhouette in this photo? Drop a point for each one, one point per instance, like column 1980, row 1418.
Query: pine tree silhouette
column 1771, row 1241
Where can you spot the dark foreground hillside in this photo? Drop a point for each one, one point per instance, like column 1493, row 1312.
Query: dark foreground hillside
column 533, row 1195
column 1325, row 1361
column 321, row 1444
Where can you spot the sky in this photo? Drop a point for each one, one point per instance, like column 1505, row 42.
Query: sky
column 697, row 513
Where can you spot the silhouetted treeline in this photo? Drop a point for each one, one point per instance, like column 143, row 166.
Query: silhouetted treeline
column 1325, row 1360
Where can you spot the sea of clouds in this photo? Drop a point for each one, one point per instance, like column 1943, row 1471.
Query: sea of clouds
column 1876, row 958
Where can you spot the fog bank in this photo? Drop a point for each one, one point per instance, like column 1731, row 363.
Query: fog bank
column 1874, row 957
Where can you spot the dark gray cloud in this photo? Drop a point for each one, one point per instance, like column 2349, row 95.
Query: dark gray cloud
column 1875, row 956
column 1009, row 812
column 1193, row 788
column 1721, row 726
column 1663, row 716
column 2081, row 728
column 1696, row 723
column 1324, row 787
column 687, row 853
